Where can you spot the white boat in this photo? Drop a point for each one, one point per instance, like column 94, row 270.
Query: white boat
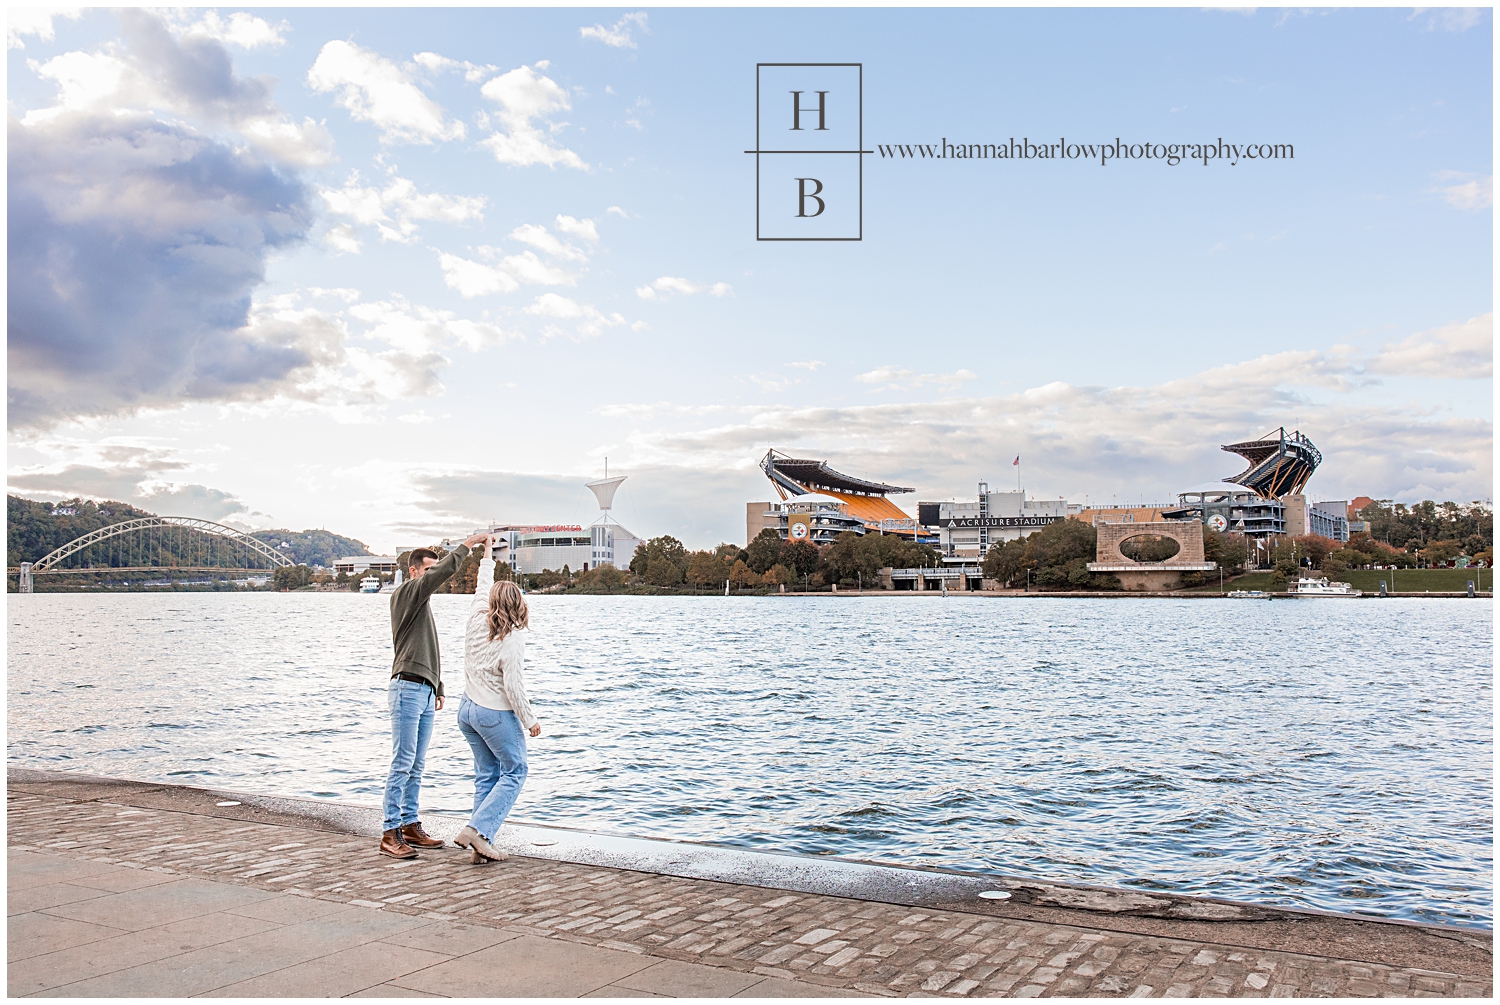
column 1249, row 595
column 370, row 584
column 1322, row 588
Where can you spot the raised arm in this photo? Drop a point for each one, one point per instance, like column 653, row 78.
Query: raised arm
column 443, row 571
column 485, row 581
column 439, row 574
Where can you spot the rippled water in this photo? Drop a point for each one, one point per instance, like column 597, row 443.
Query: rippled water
column 1332, row 755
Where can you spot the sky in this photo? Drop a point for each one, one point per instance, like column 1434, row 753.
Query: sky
column 400, row 272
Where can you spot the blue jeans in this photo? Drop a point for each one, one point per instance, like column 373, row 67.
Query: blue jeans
column 412, row 706
column 499, row 745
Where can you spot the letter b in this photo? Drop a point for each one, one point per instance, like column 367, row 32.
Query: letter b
column 803, row 195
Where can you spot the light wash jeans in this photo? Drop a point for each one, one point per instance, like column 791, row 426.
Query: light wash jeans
column 413, row 707
column 499, row 745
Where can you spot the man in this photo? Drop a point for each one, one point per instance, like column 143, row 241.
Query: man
column 414, row 695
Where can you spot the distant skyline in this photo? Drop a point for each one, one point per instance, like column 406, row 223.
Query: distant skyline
column 401, row 272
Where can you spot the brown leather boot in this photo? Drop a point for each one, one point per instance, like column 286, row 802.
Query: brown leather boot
column 418, row 838
column 392, row 845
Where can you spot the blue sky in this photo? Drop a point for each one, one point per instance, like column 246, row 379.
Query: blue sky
column 396, row 272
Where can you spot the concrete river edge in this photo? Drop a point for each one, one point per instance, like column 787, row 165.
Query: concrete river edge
column 101, row 870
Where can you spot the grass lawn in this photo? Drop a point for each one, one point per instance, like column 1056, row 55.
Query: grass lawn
column 1406, row 581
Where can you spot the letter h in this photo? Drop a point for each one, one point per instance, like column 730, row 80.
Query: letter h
column 797, row 110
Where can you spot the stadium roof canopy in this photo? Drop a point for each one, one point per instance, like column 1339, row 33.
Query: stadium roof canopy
column 800, row 476
column 1280, row 463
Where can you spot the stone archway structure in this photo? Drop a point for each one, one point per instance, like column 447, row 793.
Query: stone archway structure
column 1108, row 558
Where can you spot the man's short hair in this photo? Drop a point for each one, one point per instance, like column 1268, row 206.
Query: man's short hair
column 420, row 555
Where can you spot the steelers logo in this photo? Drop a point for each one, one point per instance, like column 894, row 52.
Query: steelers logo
column 1217, row 522
column 799, row 531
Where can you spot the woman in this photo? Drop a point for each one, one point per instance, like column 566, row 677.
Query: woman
column 494, row 709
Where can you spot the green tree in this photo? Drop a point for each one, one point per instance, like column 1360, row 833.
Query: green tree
column 764, row 551
column 467, row 576
column 599, row 579
column 662, row 572
column 1057, row 555
column 664, row 548
column 799, row 556
column 291, row 577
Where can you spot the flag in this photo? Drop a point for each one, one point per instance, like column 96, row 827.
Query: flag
column 1017, row 462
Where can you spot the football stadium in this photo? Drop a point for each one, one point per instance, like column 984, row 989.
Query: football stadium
column 1280, row 463
column 832, row 501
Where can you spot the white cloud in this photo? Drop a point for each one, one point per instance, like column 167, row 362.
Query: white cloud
column 538, row 237
column 894, row 378
column 809, row 364
column 244, row 30
column 532, row 271
column 476, row 279
column 417, row 329
column 524, row 95
column 618, row 35
column 772, row 383
column 374, row 89
column 342, row 238
column 1459, row 351
column 591, row 321
column 473, row 72
column 191, row 78
column 36, row 21
column 1467, row 191
column 618, row 212
column 370, row 206
column 1449, row 18
column 344, row 293
column 664, row 287
column 579, row 228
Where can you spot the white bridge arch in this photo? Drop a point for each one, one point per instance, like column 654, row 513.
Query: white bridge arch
column 153, row 535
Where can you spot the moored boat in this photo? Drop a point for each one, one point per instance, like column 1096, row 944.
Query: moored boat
column 1249, row 595
column 1321, row 587
column 370, row 584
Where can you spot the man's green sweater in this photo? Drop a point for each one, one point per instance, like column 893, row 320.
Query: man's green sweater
column 413, row 629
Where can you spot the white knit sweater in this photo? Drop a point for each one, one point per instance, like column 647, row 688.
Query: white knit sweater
column 492, row 670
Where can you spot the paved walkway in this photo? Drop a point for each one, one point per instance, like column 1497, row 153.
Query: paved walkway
column 111, row 895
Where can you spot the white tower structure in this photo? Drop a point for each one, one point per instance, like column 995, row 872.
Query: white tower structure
column 610, row 543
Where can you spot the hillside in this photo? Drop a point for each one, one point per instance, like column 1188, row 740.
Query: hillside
column 36, row 528
column 312, row 547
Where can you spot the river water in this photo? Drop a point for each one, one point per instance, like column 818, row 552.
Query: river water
column 1311, row 753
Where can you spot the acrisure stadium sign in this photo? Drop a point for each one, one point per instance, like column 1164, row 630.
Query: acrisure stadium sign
column 998, row 521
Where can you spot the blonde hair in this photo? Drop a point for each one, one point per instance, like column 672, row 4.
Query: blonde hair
column 507, row 610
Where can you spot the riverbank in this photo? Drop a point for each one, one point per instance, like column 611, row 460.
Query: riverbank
column 121, row 888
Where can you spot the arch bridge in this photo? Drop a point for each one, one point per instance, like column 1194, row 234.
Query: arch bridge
column 157, row 545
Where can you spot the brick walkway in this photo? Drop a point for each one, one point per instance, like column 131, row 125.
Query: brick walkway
column 871, row 948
